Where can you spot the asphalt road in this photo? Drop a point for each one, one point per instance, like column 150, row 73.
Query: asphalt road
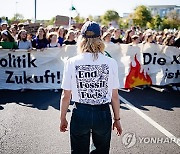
column 29, row 123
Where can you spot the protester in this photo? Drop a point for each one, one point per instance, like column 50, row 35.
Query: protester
column 70, row 38
column 53, row 40
column 107, row 38
column 135, row 40
column 4, row 26
column 103, row 29
column 140, row 34
column 116, row 36
column 148, row 38
column 20, row 26
column 177, row 40
column 61, row 35
column 169, row 40
column 91, row 113
column 127, row 37
column 14, row 31
column 77, row 34
column 30, row 36
column 159, row 40
column 40, row 41
column 111, row 30
column 7, row 41
column 23, row 43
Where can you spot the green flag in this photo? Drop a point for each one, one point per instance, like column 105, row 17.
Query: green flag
column 73, row 8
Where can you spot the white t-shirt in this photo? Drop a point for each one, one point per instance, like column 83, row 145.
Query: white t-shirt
column 90, row 81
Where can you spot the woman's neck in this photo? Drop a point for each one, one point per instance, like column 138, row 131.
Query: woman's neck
column 70, row 40
column 40, row 37
column 116, row 37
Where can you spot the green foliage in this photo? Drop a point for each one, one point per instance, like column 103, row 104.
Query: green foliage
column 157, row 21
column 3, row 18
column 50, row 22
column 150, row 24
column 79, row 19
column 171, row 21
column 91, row 18
column 97, row 19
column 141, row 16
column 109, row 16
column 17, row 17
column 123, row 23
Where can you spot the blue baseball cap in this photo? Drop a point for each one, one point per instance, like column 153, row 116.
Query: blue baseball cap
column 90, row 30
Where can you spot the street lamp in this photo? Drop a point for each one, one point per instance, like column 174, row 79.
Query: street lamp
column 34, row 10
column 16, row 9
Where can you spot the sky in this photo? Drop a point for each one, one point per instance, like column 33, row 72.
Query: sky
column 46, row 9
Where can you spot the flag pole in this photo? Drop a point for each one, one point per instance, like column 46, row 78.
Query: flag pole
column 70, row 14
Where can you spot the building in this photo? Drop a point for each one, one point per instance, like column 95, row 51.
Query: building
column 163, row 10
column 125, row 15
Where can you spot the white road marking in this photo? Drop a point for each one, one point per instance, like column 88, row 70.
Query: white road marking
column 151, row 121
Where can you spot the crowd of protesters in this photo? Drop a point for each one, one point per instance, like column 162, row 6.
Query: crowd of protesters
column 16, row 37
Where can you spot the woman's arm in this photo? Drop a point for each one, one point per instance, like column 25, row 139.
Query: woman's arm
column 116, row 107
column 65, row 101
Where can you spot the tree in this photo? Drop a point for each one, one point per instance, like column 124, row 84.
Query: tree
column 157, row 21
column 97, row 19
column 141, row 16
column 171, row 21
column 50, row 22
column 17, row 17
column 150, row 24
column 91, row 18
column 109, row 16
column 123, row 23
column 79, row 19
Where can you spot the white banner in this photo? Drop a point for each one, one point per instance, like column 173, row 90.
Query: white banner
column 138, row 65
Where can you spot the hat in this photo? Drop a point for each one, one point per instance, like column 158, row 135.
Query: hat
column 4, row 23
column 105, row 34
column 90, row 30
column 148, row 35
column 4, row 32
column 111, row 29
column 134, row 36
column 20, row 25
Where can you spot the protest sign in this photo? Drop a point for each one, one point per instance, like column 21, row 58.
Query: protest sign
column 143, row 64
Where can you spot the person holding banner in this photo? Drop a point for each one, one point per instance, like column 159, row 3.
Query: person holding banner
column 53, row 40
column 23, row 43
column 70, row 38
column 40, row 41
column 92, row 80
column 61, row 35
column 7, row 41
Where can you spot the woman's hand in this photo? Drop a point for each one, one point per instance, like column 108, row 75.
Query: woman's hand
column 118, row 127
column 63, row 125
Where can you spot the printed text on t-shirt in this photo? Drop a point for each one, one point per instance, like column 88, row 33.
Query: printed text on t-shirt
column 92, row 83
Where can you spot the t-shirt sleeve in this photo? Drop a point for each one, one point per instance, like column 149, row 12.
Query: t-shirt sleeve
column 67, row 76
column 115, row 75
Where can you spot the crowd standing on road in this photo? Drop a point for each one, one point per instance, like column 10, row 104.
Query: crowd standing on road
column 16, row 37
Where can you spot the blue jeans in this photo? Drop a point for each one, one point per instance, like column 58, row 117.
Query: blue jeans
column 86, row 119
